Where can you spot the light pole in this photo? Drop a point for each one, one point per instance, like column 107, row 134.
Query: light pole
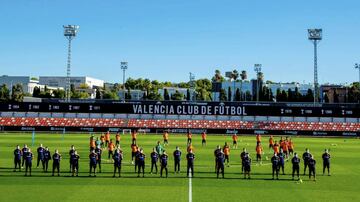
column 357, row 66
column 124, row 66
column 70, row 32
column 315, row 35
column 257, row 69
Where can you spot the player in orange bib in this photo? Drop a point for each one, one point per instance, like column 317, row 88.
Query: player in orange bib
column 258, row 138
column 117, row 139
column 276, row 148
column 107, row 138
column 134, row 136
column 134, row 149
column 190, row 147
column 226, row 150
column 271, row 142
column 189, row 137
column 92, row 144
column 166, row 138
column 203, row 139
column 111, row 148
column 259, row 150
column 102, row 139
column 291, row 147
column 235, row 140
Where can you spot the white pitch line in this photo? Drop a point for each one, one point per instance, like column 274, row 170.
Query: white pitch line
column 190, row 186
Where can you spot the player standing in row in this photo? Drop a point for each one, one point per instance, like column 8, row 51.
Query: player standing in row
column 203, row 139
column 291, row 147
column 275, row 166
column 40, row 156
column 75, row 164
column 71, row 154
column 24, row 150
column 56, row 162
column 141, row 163
column 177, row 158
column 295, row 166
column 247, row 166
column 326, row 161
column 258, row 138
column 166, row 138
column 17, row 158
column 220, row 159
column 312, row 166
column 134, row 149
column 117, row 157
column 276, row 148
column 117, row 139
column 259, row 151
column 93, row 161
column 98, row 151
column 92, row 143
column 226, row 150
column 306, row 157
column 154, row 158
column 28, row 161
column 282, row 156
column 190, row 157
column 235, row 141
column 163, row 162
column 189, row 137
column 47, row 158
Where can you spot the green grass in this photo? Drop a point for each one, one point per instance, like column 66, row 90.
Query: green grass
column 343, row 185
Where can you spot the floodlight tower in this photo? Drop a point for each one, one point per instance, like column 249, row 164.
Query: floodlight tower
column 192, row 85
column 257, row 69
column 124, row 66
column 70, row 32
column 315, row 35
column 357, row 66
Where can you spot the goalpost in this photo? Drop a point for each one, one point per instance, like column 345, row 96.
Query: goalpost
column 126, row 131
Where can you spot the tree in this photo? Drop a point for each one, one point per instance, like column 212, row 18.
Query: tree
column 229, row 94
column 188, row 95
column 243, row 76
column 128, row 95
column 309, row 97
column 154, row 95
column 36, row 92
column 58, row 93
column 217, row 77
column 166, row 94
column 336, row 97
column 222, row 96
column 98, row 94
column 4, row 93
column 278, row 95
column 203, row 89
column 290, row 95
column 248, row 95
column 17, row 94
column 111, row 95
column 237, row 95
column 177, row 96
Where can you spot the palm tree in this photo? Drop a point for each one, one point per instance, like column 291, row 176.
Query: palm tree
column 243, row 77
column 234, row 76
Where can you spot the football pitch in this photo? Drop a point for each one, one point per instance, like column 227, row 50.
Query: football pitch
column 342, row 185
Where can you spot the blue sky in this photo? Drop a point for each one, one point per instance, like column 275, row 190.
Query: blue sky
column 167, row 39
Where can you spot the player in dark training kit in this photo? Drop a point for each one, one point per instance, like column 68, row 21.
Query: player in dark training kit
column 242, row 156
column 47, row 158
column 275, row 166
column 163, row 162
column 190, row 163
column 220, row 160
column 98, row 151
column 312, row 165
column 75, row 164
column 56, row 162
column 326, row 161
column 24, row 150
column 177, row 158
column 17, row 158
column 154, row 158
column 93, row 161
column 247, row 166
column 71, row 154
column 117, row 157
column 281, row 156
column 306, row 157
column 40, row 156
column 295, row 166
column 216, row 152
column 141, row 162
column 28, row 161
